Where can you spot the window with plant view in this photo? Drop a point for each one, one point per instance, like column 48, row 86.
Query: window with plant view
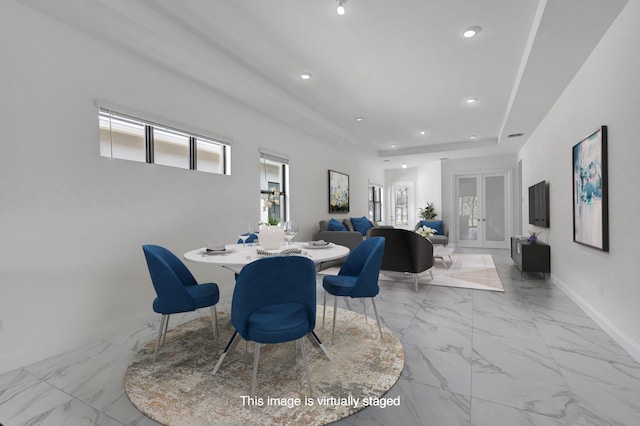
column 375, row 202
column 274, row 189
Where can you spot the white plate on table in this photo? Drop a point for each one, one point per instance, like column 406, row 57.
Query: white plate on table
column 313, row 247
column 208, row 252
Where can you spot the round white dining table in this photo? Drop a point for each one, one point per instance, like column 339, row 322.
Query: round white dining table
column 235, row 256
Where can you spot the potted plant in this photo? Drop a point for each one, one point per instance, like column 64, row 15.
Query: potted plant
column 428, row 213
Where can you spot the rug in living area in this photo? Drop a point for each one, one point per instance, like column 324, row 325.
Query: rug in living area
column 179, row 388
column 474, row 271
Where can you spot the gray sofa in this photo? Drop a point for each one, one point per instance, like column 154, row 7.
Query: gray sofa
column 438, row 239
column 349, row 238
column 404, row 251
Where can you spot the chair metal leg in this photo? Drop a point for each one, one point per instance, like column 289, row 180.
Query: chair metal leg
column 415, row 281
column 246, row 352
column 224, row 353
column 364, row 306
column 373, row 302
column 324, row 308
column 315, row 336
column 295, row 352
column 214, row 320
column 256, row 358
column 335, row 309
column 166, row 327
column 155, row 353
column 306, row 365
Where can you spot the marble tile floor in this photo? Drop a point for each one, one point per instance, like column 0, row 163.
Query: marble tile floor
column 528, row 356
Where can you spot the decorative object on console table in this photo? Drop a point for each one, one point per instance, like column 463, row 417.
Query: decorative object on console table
column 590, row 191
column 338, row 192
column 530, row 257
column 533, row 237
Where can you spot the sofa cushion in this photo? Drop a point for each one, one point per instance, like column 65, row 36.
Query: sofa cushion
column 361, row 224
column 433, row 224
column 334, row 225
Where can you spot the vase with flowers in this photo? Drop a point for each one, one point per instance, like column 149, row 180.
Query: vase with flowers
column 425, row 231
column 533, row 237
column 271, row 237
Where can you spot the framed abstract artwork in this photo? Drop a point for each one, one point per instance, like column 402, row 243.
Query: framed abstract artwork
column 338, row 192
column 590, row 191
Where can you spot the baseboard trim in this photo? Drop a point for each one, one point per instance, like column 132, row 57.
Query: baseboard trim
column 632, row 347
column 22, row 359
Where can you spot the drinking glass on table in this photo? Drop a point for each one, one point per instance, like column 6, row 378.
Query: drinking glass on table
column 290, row 231
column 244, row 231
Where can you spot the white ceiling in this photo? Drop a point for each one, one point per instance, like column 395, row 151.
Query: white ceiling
column 401, row 65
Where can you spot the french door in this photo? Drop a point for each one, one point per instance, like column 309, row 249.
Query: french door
column 403, row 205
column 483, row 210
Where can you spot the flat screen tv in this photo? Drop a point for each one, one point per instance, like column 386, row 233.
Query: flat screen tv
column 539, row 204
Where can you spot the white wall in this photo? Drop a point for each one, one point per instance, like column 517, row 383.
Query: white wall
column 605, row 91
column 73, row 222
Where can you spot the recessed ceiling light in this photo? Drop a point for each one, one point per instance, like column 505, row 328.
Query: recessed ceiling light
column 422, row 132
column 473, row 137
column 471, row 100
column 471, row 31
column 404, row 165
column 340, row 8
column 393, row 145
column 359, row 118
column 305, row 76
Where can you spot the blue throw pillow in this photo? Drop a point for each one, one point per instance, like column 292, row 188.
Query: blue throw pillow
column 433, row 224
column 361, row 224
column 334, row 225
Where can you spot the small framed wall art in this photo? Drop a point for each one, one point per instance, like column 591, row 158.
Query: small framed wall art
column 338, row 192
column 590, row 191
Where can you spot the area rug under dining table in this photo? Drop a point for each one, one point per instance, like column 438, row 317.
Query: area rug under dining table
column 179, row 388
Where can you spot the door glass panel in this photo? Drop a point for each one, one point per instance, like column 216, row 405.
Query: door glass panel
column 468, row 213
column 401, row 198
column 495, row 208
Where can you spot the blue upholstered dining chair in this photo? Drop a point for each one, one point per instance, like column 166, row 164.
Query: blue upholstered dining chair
column 253, row 237
column 177, row 290
column 274, row 301
column 358, row 277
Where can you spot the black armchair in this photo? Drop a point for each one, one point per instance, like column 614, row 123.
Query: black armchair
column 404, row 251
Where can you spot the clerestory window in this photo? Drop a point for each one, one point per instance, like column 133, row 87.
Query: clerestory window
column 126, row 137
